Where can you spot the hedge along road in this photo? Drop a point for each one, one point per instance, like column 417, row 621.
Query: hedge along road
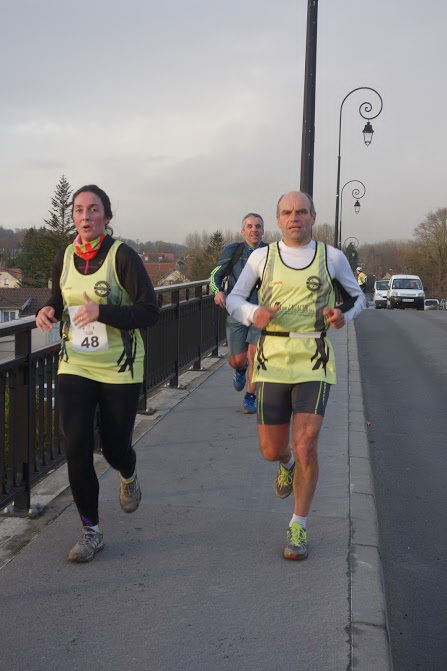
column 403, row 363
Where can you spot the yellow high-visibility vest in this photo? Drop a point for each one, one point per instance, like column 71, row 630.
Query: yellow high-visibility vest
column 123, row 360
column 285, row 353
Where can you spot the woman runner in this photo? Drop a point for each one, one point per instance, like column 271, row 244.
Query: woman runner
column 103, row 295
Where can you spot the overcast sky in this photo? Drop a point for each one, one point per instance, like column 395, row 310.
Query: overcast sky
column 189, row 114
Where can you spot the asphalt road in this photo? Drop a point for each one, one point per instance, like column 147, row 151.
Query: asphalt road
column 403, row 364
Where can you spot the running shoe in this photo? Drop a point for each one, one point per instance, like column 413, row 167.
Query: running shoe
column 239, row 379
column 130, row 494
column 249, row 404
column 89, row 544
column 296, row 547
column 284, row 481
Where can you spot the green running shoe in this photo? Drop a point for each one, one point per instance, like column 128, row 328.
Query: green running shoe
column 296, row 547
column 284, row 481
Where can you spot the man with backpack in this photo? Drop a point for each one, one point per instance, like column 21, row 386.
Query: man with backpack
column 241, row 339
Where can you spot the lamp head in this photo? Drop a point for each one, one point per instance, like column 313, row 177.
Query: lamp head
column 368, row 133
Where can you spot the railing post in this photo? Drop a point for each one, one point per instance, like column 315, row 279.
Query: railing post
column 198, row 294
column 22, row 429
column 142, row 401
column 215, row 351
column 175, row 298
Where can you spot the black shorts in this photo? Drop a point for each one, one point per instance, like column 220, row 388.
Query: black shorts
column 276, row 402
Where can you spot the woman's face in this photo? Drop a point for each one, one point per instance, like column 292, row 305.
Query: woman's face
column 88, row 216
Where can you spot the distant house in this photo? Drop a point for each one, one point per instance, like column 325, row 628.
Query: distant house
column 163, row 274
column 21, row 302
column 24, row 302
column 10, row 278
column 173, row 277
column 157, row 257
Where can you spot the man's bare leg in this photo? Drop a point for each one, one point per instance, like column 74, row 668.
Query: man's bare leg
column 238, row 361
column 305, row 432
column 274, row 442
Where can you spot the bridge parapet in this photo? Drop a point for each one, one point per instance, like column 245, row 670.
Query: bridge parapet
column 190, row 327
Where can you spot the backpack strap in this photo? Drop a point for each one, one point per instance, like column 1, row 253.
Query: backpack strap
column 235, row 258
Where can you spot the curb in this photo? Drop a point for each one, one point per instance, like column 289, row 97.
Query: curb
column 370, row 641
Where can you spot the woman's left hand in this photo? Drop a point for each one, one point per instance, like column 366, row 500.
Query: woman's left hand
column 87, row 313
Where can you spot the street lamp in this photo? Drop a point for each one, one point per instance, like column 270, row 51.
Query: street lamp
column 350, row 251
column 355, row 242
column 356, row 193
column 365, row 110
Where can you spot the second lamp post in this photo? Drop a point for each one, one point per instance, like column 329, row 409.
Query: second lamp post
column 365, row 110
column 357, row 194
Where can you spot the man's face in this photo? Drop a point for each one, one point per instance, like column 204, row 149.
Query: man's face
column 252, row 231
column 295, row 220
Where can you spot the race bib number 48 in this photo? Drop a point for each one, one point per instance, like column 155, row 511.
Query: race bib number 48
column 89, row 338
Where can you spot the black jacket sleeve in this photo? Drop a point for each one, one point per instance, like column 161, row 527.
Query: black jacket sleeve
column 56, row 301
column 135, row 280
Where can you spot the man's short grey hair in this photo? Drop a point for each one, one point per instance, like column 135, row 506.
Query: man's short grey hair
column 312, row 206
column 252, row 214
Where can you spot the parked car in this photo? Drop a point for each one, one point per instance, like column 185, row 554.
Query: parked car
column 405, row 291
column 431, row 304
column 380, row 293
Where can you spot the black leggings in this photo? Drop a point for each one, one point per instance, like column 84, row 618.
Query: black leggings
column 78, row 399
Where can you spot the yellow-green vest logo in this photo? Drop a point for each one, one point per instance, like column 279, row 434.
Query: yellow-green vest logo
column 102, row 289
column 313, row 283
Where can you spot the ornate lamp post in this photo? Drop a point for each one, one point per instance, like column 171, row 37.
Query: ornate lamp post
column 308, row 133
column 350, row 251
column 356, row 193
column 365, row 110
column 355, row 243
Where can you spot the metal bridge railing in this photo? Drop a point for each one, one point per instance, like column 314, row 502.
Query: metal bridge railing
column 190, row 327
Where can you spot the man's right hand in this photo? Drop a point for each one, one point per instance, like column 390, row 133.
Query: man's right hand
column 264, row 315
column 45, row 318
column 220, row 299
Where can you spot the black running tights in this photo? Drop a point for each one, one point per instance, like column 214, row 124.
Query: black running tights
column 117, row 403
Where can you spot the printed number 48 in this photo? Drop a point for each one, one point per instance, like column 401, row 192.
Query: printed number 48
column 90, row 342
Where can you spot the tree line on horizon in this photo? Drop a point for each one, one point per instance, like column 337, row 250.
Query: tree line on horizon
column 425, row 255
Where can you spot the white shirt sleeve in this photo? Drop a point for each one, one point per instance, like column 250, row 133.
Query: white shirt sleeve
column 237, row 304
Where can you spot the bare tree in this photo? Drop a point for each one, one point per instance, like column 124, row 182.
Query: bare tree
column 323, row 233
column 431, row 240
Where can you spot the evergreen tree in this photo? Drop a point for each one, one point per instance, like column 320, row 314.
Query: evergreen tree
column 60, row 223
column 214, row 249
column 205, row 260
column 36, row 258
column 40, row 246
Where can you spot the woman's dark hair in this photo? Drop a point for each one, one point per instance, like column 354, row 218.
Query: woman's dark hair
column 105, row 200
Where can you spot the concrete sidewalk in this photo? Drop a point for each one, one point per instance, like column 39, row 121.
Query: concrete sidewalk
column 195, row 579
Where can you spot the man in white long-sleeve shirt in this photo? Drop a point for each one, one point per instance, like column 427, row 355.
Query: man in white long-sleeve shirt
column 294, row 365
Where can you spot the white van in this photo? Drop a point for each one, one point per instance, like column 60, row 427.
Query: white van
column 380, row 293
column 405, row 291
